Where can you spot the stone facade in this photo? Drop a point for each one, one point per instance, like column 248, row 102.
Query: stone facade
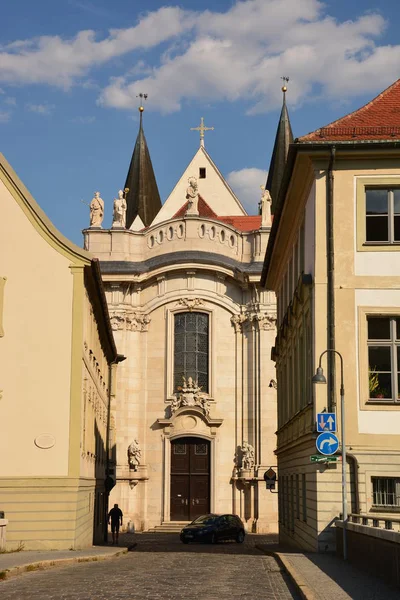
column 192, row 264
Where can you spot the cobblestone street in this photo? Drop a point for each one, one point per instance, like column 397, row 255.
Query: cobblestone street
column 163, row 568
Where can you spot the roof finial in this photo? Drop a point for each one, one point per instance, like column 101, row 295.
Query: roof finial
column 284, row 87
column 141, row 107
column 202, row 128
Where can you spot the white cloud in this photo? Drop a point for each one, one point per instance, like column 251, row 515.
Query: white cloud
column 56, row 61
column 41, row 109
column 242, row 53
column 246, row 184
column 5, row 116
column 218, row 56
column 11, row 101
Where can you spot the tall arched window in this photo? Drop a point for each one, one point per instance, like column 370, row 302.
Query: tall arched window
column 191, row 348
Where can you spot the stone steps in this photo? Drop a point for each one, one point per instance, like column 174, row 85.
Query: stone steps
column 168, row 527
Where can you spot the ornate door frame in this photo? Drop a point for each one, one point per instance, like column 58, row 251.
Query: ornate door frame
column 187, row 422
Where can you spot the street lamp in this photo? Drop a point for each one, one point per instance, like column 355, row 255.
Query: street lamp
column 319, row 377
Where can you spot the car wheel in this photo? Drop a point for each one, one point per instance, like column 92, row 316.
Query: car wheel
column 240, row 537
column 214, row 538
column 185, row 541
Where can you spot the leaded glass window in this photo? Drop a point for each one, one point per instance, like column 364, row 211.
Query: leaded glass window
column 191, row 348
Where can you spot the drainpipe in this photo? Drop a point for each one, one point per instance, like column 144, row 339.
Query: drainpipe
column 330, row 256
column 353, row 462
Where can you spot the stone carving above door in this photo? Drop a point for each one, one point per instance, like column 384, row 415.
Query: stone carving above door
column 190, row 394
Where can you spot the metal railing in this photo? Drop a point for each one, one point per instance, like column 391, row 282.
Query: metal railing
column 379, row 522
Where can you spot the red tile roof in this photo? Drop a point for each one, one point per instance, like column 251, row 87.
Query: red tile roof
column 203, row 208
column 240, row 222
column 377, row 120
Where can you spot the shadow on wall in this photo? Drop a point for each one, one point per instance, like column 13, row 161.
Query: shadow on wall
column 104, row 474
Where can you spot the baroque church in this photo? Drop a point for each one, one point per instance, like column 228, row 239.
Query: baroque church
column 195, row 408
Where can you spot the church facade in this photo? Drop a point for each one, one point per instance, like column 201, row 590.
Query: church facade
column 194, row 412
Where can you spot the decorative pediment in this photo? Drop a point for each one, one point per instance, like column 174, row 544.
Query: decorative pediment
column 190, row 419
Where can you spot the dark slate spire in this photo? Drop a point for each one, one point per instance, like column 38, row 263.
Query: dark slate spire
column 143, row 198
column 284, row 137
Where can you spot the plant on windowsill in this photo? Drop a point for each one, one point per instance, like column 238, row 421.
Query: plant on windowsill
column 375, row 391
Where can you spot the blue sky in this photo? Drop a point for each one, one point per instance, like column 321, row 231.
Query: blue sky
column 70, row 71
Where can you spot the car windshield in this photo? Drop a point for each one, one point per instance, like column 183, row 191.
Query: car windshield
column 206, row 520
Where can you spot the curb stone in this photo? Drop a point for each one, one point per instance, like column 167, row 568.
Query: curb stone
column 60, row 562
column 302, row 587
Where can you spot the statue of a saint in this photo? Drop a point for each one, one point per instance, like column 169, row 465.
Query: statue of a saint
column 134, row 455
column 96, row 210
column 265, row 208
column 248, row 456
column 119, row 213
column 192, row 194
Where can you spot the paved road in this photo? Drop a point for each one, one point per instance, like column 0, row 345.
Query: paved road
column 164, row 569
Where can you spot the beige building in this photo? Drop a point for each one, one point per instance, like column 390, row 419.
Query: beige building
column 333, row 260
column 58, row 361
column 195, row 417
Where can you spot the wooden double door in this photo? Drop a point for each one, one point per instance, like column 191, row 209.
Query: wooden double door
column 190, row 478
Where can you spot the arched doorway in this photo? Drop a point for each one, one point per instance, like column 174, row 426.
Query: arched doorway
column 190, row 478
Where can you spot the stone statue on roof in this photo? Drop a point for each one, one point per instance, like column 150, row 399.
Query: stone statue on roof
column 96, row 210
column 265, row 207
column 119, row 213
column 192, row 195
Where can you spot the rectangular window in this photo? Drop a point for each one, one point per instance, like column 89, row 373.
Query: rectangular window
column 191, row 349
column 383, row 358
column 386, row 492
column 304, row 494
column 202, row 173
column 382, row 213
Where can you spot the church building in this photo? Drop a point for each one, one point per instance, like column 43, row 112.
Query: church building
column 195, row 409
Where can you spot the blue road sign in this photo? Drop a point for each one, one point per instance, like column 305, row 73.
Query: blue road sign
column 327, row 443
column 326, row 422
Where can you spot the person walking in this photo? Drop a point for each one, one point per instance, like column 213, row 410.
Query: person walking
column 115, row 517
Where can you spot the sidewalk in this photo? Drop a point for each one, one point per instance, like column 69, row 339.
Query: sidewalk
column 327, row 577
column 14, row 563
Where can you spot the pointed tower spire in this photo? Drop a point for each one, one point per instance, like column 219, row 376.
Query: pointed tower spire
column 284, row 137
column 142, row 196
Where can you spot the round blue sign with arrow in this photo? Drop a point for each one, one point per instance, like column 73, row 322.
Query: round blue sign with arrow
column 327, row 443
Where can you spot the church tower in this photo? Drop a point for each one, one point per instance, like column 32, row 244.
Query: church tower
column 142, row 196
column 283, row 138
column 195, row 417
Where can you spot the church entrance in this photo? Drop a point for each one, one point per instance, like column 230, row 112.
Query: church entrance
column 190, row 478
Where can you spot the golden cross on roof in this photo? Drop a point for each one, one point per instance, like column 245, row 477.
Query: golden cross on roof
column 202, row 128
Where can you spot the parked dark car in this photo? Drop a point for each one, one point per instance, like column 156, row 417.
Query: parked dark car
column 212, row 528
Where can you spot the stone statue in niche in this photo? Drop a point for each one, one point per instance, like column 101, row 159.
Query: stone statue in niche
column 248, row 456
column 96, row 210
column 190, row 394
column 134, row 455
column 192, row 195
column 119, row 212
column 265, row 208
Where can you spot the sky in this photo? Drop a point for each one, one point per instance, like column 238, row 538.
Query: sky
column 71, row 70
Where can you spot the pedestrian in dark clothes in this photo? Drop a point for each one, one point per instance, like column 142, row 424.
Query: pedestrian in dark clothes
column 115, row 517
